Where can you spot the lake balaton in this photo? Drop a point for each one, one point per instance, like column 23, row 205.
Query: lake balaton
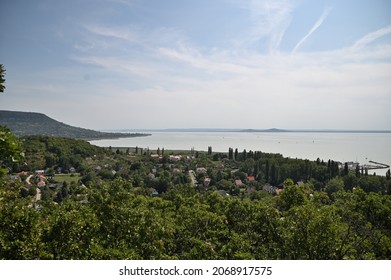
column 342, row 147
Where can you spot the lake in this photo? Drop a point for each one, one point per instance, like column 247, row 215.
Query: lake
column 360, row 147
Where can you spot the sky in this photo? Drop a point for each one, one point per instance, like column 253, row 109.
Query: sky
column 149, row 64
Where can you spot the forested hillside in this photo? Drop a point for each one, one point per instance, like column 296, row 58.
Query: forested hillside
column 133, row 203
column 28, row 123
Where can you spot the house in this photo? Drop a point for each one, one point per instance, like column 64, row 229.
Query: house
column 15, row 177
column 207, row 182
column 250, row 178
column 175, row 158
column 176, row 171
column 238, row 183
column 39, row 172
column 41, row 177
column 250, row 190
column 300, row 183
column 72, row 169
column 41, row 184
column 271, row 189
column 201, row 170
column 268, row 188
column 154, row 192
column 98, row 168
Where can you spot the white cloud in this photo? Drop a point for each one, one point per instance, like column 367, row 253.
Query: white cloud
column 269, row 19
column 372, row 36
column 317, row 24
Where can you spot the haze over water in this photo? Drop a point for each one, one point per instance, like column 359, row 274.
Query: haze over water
column 360, row 147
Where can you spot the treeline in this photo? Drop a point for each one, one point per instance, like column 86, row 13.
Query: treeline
column 274, row 169
column 115, row 220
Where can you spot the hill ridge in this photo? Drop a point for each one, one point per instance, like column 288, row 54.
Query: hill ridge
column 34, row 123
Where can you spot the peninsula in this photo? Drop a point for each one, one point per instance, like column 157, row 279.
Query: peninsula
column 29, row 123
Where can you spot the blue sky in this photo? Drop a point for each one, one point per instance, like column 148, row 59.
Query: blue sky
column 105, row 64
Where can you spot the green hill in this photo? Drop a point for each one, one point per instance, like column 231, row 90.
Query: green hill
column 28, row 123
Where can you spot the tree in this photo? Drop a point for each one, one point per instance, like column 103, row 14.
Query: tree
column 267, row 170
column 291, row 196
column 244, row 154
column 346, row 169
column 2, row 79
column 312, row 233
column 334, row 185
column 10, row 148
column 230, row 153
column 273, row 174
column 256, row 168
column 358, row 170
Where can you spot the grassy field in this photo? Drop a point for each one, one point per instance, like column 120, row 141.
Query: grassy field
column 75, row 177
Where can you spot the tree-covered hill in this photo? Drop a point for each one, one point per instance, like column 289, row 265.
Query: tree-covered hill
column 29, row 123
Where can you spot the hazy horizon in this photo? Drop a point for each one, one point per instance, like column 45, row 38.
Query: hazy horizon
column 112, row 64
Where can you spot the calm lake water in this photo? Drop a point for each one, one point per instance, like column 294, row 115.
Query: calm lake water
column 360, row 147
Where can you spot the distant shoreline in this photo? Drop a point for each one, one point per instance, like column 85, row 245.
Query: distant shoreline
column 271, row 130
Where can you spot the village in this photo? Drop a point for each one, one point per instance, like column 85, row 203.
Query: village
column 55, row 168
column 152, row 171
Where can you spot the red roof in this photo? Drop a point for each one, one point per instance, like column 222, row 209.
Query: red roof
column 250, row 178
column 41, row 184
column 238, row 182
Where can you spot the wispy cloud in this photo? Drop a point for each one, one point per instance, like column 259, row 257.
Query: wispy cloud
column 317, row 24
column 270, row 19
column 127, row 34
column 128, row 3
column 372, row 36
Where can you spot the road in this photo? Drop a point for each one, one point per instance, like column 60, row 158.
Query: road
column 38, row 195
column 192, row 177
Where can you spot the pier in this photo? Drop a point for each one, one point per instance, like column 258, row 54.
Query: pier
column 375, row 165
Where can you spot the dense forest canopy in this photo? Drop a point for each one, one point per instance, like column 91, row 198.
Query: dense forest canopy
column 133, row 203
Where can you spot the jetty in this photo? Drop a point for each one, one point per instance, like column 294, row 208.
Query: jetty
column 375, row 165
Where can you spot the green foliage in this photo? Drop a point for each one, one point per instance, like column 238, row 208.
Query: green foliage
column 118, row 222
column 334, row 185
column 291, row 196
column 311, row 233
column 2, row 78
column 53, row 152
column 10, row 149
